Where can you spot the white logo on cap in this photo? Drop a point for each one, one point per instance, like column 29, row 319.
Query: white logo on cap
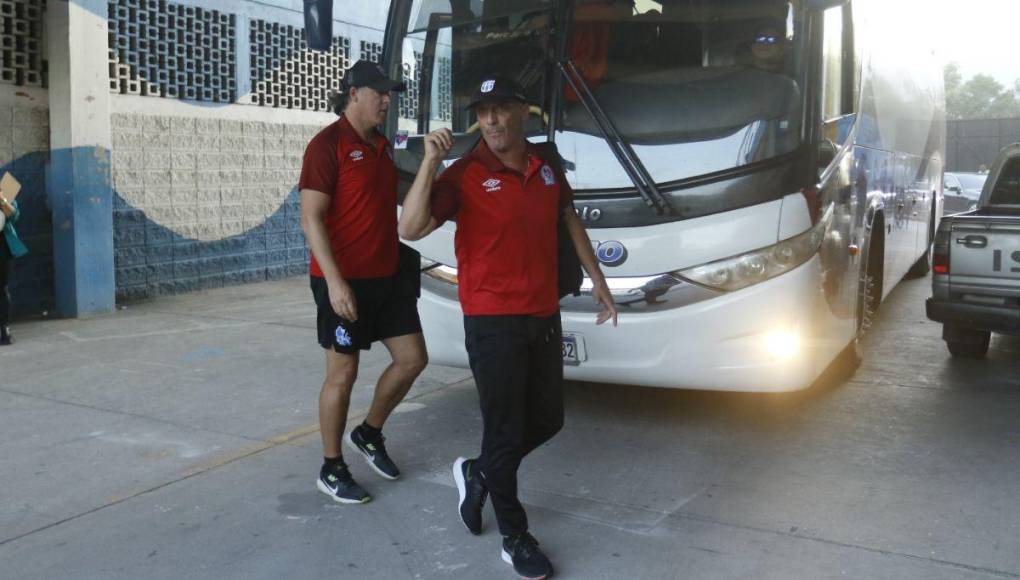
column 491, row 184
column 357, row 154
column 487, row 86
column 547, row 175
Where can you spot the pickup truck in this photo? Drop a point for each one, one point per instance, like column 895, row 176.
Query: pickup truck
column 976, row 264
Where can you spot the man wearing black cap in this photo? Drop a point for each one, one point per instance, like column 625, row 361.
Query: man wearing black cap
column 508, row 196
column 348, row 212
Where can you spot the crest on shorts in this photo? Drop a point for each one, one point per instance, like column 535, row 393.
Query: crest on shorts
column 547, row 175
column 342, row 337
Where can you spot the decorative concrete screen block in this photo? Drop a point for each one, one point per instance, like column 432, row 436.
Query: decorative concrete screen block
column 409, row 98
column 444, row 111
column 285, row 74
column 371, row 51
column 165, row 49
column 21, row 42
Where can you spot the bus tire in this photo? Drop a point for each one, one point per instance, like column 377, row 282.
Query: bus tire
column 869, row 294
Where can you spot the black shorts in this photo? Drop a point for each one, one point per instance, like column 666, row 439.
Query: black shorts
column 383, row 312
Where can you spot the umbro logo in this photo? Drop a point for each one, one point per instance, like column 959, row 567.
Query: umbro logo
column 357, row 154
column 492, row 184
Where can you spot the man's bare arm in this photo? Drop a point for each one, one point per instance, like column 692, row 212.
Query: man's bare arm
column 582, row 245
column 416, row 219
column 314, row 207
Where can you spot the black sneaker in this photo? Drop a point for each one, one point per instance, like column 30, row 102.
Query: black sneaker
column 522, row 552
column 472, row 493
column 338, row 484
column 374, row 452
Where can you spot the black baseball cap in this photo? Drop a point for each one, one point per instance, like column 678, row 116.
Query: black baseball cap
column 497, row 88
column 366, row 73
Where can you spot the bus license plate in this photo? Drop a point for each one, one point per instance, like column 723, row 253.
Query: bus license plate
column 572, row 346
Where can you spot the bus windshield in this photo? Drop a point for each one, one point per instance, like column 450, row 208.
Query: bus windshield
column 694, row 86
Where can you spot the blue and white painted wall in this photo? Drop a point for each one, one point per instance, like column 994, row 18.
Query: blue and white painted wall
column 175, row 167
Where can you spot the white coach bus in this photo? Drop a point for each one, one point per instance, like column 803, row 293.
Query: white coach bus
column 757, row 175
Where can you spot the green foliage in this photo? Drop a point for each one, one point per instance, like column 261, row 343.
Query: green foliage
column 980, row 97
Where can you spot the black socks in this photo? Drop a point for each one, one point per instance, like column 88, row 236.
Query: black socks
column 371, row 433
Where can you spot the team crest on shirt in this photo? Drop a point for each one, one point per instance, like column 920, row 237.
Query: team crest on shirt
column 492, row 184
column 357, row 155
column 342, row 337
column 547, row 175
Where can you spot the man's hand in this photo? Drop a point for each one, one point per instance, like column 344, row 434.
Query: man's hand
column 341, row 298
column 437, row 144
column 601, row 294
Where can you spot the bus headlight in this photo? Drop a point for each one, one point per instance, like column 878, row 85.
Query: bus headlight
column 781, row 344
column 741, row 271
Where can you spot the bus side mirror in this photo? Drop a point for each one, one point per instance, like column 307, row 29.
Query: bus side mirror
column 826, row 152
column 319, row 24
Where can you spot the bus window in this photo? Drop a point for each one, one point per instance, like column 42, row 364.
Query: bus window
column 694, row 86
column 452, row 46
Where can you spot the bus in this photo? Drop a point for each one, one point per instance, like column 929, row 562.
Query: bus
column 756, row 175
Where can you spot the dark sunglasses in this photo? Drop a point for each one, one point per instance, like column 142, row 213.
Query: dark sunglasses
column 766, row 39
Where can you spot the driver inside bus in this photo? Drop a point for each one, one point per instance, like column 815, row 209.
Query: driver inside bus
column 768, row 48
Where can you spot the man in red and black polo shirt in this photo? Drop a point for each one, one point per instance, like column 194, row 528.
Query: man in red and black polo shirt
column 348, row 211
column 508, row 200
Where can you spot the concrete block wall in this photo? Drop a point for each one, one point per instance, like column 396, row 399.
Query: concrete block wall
column 205, row 195
column 205, row 202
column 203, row 187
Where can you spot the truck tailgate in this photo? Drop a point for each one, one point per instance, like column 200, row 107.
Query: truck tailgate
column 985, row 258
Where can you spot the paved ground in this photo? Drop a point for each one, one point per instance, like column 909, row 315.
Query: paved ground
column 177, row 439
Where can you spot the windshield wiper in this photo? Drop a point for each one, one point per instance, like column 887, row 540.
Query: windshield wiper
column 624, row 153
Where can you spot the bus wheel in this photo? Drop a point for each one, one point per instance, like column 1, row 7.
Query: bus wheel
column 869, row 294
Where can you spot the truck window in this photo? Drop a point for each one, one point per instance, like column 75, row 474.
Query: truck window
column 1007, row 186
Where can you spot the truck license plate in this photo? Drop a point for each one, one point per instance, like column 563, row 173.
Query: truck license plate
column 572, row 346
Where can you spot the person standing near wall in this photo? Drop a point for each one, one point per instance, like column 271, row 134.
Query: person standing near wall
column 10, row 248
column 348, row 212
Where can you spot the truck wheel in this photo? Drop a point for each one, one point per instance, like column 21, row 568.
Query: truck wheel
column 966, row 343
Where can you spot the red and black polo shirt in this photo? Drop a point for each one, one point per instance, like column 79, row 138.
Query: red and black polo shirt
column 506, row 240
column 362, row 181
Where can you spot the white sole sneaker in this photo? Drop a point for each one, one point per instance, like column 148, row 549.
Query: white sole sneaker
column 458, row 478
column 368, row 458
column 506, row 558
column 332, row 495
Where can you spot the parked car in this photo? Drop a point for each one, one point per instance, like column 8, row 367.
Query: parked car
column 976, row 264
column 962, row 191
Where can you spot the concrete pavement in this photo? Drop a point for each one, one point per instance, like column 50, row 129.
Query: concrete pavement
column 177, row 439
